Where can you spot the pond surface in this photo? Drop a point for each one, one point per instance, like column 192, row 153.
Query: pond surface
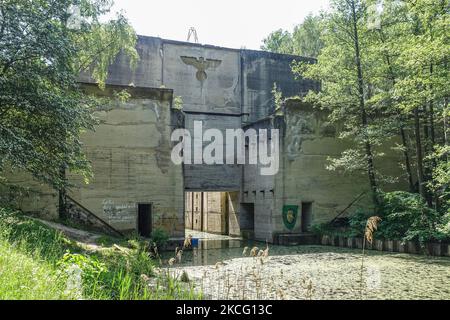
column 312, row 272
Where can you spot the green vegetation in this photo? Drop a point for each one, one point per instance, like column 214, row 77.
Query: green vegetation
column 384, row 81
column 159, row 237
column 37, row 262
column 43, row 49
column 384, row 77
column 304, row 41
column 405, row 216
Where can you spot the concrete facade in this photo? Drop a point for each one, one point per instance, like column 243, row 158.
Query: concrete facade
column 30, row 195
column 129, row 152
column 130, row 157
column 307, row 141
column 236, row 90
column 224, row 89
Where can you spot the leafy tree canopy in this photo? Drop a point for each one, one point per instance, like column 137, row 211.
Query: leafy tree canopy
column 384, row 77
column 44, row 45
column 305, row 40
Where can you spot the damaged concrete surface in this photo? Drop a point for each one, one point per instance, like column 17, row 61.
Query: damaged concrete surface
column 223, row 89
column 130, row 156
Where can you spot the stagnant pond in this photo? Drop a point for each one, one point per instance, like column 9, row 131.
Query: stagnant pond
column 313, row 272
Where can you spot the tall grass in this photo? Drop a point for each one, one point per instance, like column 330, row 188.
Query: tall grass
column 24, row 278
column 37, row 262
column 369, row 230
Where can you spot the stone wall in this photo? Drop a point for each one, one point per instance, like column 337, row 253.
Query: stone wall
column 307, row 141
column 260, row 191
column 260, row 70
column 29, row 195
column 221, row 87
column 130, row 156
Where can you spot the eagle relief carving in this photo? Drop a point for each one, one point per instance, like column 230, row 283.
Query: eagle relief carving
column 201, row 64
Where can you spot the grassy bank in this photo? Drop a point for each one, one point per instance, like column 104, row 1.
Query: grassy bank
column 22, row 277
column 37, row 262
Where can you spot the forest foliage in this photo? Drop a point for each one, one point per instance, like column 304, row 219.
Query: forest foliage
column 383, row 69
column 44, row 46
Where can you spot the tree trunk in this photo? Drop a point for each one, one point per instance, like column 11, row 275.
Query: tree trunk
column 446, row 125
column 401, row 125
column 62, row 206
column 433, row 196
column 419, row 155
column 406, row 156
column 426, row 148
column 362, row 107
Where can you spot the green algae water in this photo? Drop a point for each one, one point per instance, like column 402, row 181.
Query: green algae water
column 313, row 272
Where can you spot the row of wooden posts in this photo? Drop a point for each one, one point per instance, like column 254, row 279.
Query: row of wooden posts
column 432, row 249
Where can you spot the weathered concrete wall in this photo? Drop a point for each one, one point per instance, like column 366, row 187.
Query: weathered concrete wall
column 307, row 140
column 215, row 212
column 216, row 97
column 224, row 89
column 32, row 197
column 212, row 86
column 260, row 70
column 220, row 87
column 130, row 155
column 260, row 190
column 197, row 210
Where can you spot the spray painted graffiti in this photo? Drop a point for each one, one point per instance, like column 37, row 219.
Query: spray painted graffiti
column 119, row 212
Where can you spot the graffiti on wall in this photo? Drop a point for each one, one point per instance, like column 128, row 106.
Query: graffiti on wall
column 119, row 212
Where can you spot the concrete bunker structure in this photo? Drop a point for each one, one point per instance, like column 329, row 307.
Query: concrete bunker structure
column 136, row 187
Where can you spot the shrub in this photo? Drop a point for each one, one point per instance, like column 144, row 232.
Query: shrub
column 91, row 270
column 160, row 237
column 340, row 227
column 405, row 216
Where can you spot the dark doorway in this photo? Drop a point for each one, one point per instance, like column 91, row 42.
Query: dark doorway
column 306, row 216
column 247, row 216
column 247, row 220
column 145, row 219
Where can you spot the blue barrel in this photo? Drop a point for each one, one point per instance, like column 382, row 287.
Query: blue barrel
column 194, row 242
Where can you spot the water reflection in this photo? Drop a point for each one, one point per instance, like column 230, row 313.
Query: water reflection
column 211, row 251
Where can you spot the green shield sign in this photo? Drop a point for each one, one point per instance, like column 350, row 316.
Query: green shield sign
column 290, row 214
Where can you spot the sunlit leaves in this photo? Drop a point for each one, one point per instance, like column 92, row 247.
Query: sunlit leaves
column 42, row 109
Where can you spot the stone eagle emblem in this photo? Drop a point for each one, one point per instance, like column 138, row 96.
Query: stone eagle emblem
column 201, row 64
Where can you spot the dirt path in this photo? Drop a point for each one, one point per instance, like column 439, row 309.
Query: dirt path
column 86, row 238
